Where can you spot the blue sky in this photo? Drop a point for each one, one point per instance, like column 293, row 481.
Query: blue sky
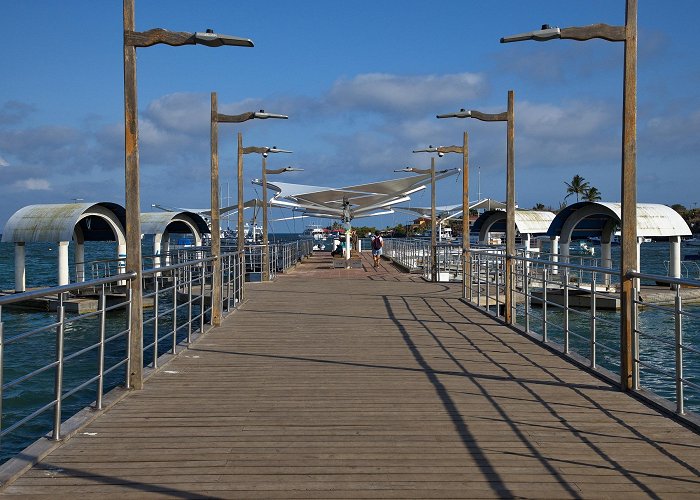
column 361, row 81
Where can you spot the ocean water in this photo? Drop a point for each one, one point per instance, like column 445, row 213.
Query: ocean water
column 39, row 350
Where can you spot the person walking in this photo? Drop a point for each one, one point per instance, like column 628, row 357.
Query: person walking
column 377, row 244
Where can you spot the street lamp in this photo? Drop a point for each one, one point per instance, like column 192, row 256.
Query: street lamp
column 264, row 151
column 433, row 245
column 265, row 173
column 628, row 259
column 217, row 118
column 132, row 40
column 509, row 117
column 464, row 149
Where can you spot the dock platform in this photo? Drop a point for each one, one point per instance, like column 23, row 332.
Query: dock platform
column 370, row 383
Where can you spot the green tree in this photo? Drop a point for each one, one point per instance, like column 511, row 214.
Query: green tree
column 592, row 194
column 538, row 206
column 679, row 208
column 578, row 186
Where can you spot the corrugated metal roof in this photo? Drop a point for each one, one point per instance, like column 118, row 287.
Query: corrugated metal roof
column 57, row 222
column 173, row 222
column 526, row 221
column 652, row 219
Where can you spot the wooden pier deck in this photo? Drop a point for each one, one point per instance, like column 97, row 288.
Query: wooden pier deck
column 364, row 383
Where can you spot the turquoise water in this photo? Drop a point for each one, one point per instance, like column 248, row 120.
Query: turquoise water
column 39, row 350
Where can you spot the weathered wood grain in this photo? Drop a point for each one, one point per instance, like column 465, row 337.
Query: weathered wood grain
column 364, row 383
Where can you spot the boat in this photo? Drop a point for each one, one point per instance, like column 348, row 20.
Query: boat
column 314, row 231
column 581, row 247
column 252, row 233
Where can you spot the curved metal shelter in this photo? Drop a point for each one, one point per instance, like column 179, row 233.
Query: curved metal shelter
column 102, row 221
column 61, row 223
column 162, row 224
column 585, row 219
column 527, row 223
column 600, row 219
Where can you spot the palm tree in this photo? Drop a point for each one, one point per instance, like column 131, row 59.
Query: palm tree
column 592, row 194
column 538, row 206
column 578, row 187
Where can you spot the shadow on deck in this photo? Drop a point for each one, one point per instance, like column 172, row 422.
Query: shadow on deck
column 370, row 383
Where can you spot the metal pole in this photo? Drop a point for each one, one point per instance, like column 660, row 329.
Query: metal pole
column 433, row 244
column 265, row 254
column 510, row 209
column 156, row 316
column 58, row 382
column 132, row 201
column 465, row 212
column 215, row 222
column 240, row 241
column 594, row 292
column 680, row 403
column 101, row 361
column 628, row 260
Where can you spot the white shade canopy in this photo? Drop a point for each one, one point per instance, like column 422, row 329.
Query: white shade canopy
column 348, row 202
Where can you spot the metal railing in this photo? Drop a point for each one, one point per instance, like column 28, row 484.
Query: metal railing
column 575, row 309
column 54, row 364
column 284, row 256
column 411, row 254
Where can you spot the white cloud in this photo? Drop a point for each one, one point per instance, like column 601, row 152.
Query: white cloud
column 385, row 92
column 3, row 162
column 33, row 184
column 569, row 120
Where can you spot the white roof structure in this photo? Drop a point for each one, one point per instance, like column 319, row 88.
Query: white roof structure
column 346, row 203
column 206, row 212
column 102, row 221
column 444, row 211
column 173, row 222
column 526, row 222
column 584, row 219
column 450, row 211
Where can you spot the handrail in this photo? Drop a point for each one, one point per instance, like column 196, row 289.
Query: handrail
column 546, row 284
column 34, row 294
column 664, row 279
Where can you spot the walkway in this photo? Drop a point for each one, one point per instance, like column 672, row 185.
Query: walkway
column 363, row 383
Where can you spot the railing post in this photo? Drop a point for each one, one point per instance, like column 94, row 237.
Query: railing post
column 228, row 283
column 156, row 317
column 635, row 341
column 680, row 404
column 58, row 382
column 565, row 280
column 201, row 300
column 129, row 296
column 487, row 279
column 101, row 356
column 176, row 282
column 593, row 320
column 526, row 295
column 478, row 279
column 497, row 260
column 2, row 363
column 188, row 277
column 544, row 305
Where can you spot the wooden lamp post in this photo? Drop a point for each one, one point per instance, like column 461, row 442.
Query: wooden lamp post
column 132, row 40
column 628, row 185
column 264, row 151
column 217, row 118
column 464, row 149
column 509, row 117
